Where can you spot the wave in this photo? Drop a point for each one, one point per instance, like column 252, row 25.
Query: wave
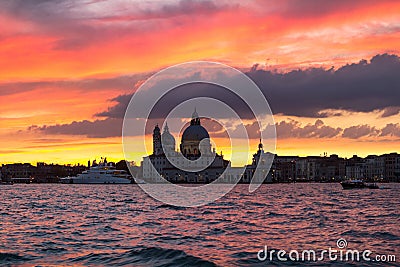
column 379, row 235
column 170, row 207
column 275, row 214
column 11, row 257
column 145, row 256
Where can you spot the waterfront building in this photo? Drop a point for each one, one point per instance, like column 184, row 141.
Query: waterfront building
column 41, row 173
column 384, row 168
column 332, row 168
column 263, row 170
column 284, row 168
column 15, row 171
column 375, row 168
column 196, row 151
column 392, row 167
column 302, row 170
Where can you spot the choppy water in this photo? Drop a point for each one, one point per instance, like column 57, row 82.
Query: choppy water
column 119, row 225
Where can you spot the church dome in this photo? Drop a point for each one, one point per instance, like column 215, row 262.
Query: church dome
column 192, row 136
column 167, row 139
column 195, row 133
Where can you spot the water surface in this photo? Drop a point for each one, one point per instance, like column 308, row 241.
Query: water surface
column 119, row 225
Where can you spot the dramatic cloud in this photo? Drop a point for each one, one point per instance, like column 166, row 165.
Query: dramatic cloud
column 118, row 110
column 361, row 87
column 390, row 111
column 112, row 127
column 294, row 129
column 94, row 129
column 87, row 23
column 179, row 95
column 355, row 132
column 391, row 129
column 307, row 8
column 252, row 129
column 124, row 83
column 44, row 10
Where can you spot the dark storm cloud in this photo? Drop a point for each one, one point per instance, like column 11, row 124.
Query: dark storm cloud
column 363, row 87
column 118, row 110
column 390, row 111
column 360, row 87
column 179, row 95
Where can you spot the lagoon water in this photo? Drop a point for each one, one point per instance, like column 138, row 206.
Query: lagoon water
column 120, row 225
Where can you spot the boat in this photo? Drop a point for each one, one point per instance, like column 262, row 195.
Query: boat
column 139, row 181
column 372, row 186
column 358, row 184
column 102, row 173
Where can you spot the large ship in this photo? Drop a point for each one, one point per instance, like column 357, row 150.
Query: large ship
column 102, row 173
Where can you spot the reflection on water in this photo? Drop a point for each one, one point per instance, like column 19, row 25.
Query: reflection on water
column 119, row 225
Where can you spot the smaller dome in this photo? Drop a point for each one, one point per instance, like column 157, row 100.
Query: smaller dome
column 167, row 139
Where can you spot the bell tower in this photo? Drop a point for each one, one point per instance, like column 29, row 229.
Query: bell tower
column 157, row 149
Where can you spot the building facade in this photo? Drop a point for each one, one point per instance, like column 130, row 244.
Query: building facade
column 196, row 151
column 187, row 166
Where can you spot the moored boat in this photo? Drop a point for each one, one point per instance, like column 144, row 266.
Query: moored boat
column 102, row 173
column 372, row 186
column 358, row 184
column 139, row 181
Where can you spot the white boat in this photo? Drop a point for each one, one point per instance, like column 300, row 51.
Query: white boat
column 100, row 174
column 139, row 181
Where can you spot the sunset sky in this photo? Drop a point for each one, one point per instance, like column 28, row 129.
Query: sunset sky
column 329, row 69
